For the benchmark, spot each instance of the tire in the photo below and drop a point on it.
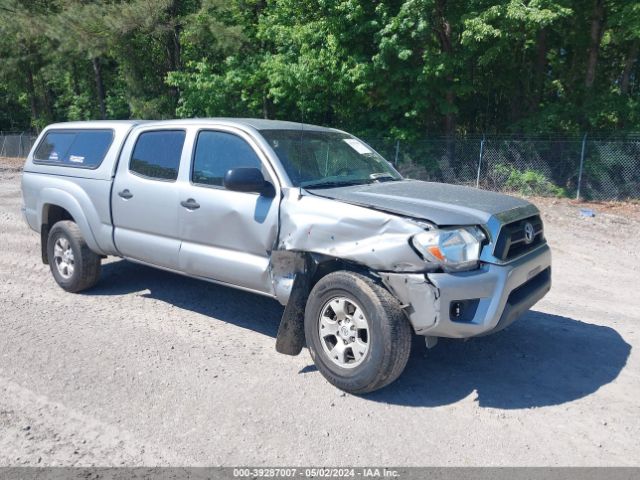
(387, 338)
(77, 271)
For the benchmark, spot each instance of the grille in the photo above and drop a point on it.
(512, 242)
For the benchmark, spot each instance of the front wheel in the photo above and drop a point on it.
(73, 265)
(356, 332)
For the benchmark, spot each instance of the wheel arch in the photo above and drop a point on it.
(51, 214)
(323, 265)
(57, 205)
(313, 268)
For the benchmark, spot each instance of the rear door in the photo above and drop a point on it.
(145, 197)
(228, 236)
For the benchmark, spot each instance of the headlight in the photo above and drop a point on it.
(453, 249)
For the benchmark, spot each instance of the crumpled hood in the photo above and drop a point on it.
(440, 203)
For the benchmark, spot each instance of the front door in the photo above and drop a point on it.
(227, 236)
(145, 199)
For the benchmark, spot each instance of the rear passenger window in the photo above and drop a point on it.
(157, 154)
(74, 148)
(218, 152)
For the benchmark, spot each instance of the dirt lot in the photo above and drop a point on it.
(152, 368)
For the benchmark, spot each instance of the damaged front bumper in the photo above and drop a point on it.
(468, 304)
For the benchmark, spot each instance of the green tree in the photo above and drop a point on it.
(397, 68)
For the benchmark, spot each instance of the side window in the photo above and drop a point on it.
(157, 154)
(74, 148)
(218, 152)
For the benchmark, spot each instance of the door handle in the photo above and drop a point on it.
(190, 204)
(126, 194)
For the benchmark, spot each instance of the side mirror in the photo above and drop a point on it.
(245, 179)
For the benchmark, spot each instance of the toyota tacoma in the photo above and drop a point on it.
(361, 258)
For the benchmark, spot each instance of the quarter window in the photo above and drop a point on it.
(217, 153)
(74, 148)
(157, 154)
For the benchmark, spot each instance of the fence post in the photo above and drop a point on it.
(584, 144)
(480, 162)
(395, 161)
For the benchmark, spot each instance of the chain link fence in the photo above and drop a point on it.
(16, 145)
(592, 169)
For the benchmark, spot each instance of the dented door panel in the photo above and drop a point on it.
(228, 238)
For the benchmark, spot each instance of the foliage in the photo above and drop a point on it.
(525, 182)
(394, 68)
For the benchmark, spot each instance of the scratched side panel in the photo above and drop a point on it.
(373, 238)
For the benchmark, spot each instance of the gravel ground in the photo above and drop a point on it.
(150, 368)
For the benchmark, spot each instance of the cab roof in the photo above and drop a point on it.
(256, 123)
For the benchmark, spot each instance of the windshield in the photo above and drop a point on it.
(316, 159)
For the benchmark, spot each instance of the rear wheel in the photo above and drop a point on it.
(356, 332)
(73, 265)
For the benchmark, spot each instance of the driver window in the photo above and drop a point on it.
(218, 152)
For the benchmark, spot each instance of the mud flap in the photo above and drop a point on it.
(290, 338)
(44, 238)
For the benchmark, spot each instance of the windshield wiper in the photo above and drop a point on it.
(374, 177)
(333, 183)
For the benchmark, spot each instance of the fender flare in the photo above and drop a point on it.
(63, 199)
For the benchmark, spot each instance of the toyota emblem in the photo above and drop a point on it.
(528, 233)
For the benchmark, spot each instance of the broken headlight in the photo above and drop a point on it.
(452, 249)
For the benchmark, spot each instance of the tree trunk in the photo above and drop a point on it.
(265, 105)
(97, 73)
(173, 47)
(31, 92)
(173, 38)
(450, 117)
(597, 29)
(443, 31)
(630, 61)
(47, 100)
(540, 69)
(74, 79)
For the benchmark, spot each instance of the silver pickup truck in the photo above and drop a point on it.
(361, 257)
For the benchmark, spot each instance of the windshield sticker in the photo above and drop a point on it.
(53, 157)
(76, 159)
(358, 146)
